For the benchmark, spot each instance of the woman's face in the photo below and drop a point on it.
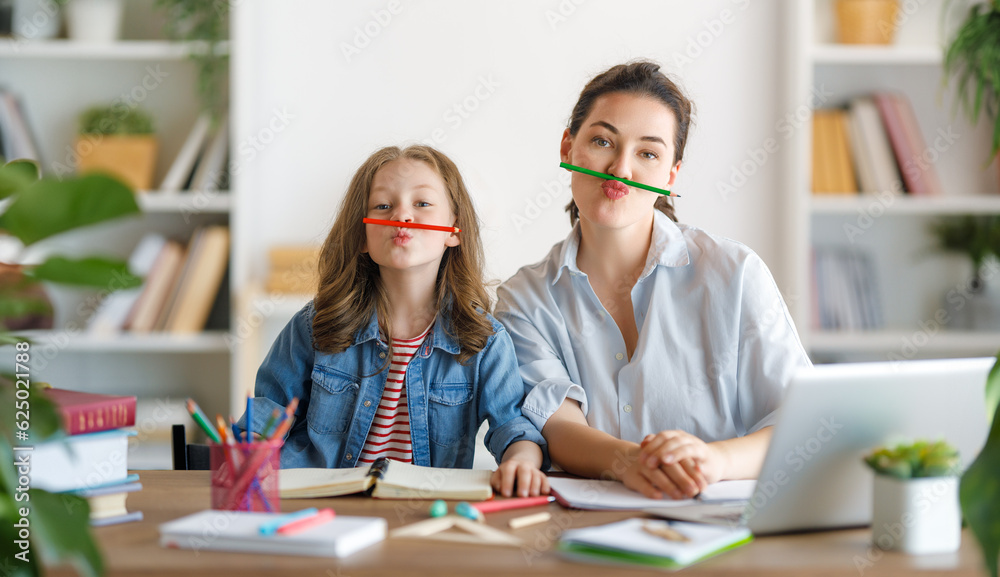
(628, 136)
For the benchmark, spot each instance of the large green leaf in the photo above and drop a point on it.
(9, 515)
(979, 492)
(92, 271)
(60, 526)
(44, 417)
(993, 390)
(17, 175)
(50, 207)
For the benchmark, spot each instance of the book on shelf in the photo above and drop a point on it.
(92, 412)
(156, 288)
(108, 503)
(212, 164)
(869, 128)
(833, 171)
(847, 296)
(923, 173)
(387, 479)
(16, 138)
(80, 461)
(111, 315)
(200, 282)
(653, 543)
(183, 270)
(180, 171)
(240, 531)
(293, 269)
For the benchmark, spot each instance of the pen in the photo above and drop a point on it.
(273, 525)
(662, 191)
(266, 431)
(519, 503)
(299, 525)
(411, 225)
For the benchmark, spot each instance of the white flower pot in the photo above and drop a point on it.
(35, 19)
(918, 516)
(98, 21)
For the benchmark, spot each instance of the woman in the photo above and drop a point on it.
(652, 352)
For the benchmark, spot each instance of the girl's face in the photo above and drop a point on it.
(628, 136)
(408, 190)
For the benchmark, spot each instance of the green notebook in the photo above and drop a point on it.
(639, 542)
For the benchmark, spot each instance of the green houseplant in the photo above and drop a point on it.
(978, 239)
(56, 526)
(118, 140)
(979, 492)
(207, 25)
(915, 506)
(972, 59)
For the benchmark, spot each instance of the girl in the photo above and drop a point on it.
(396, 356)
(655, 353)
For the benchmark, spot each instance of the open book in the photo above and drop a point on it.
(386, 479)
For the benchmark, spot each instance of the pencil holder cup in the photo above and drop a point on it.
(245, 476)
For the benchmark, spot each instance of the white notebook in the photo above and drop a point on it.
(240, 531)
(596, 495)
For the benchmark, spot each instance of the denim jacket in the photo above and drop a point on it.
(339, 394)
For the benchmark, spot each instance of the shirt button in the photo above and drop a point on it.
(619, 356)
(368, 403)
(381, 355)
(627, 408)
(348, 457)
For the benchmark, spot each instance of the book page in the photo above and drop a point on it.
(305, 483)
(595, 494)
(403, 480)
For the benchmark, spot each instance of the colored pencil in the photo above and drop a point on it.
(518, 503)
(299, 525)
(411, 225)
(662, 191)
(273, 525)
(201, 418)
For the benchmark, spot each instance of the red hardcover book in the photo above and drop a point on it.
(91, 412)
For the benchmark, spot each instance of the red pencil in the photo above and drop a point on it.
(411, 225)
(300, 525)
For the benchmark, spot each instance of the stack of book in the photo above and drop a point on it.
(181, 284)
(92, 459)
(874, 145)
(845, 291)
(202, 163)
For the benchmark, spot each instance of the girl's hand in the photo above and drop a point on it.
(686, 462)
(530, 481)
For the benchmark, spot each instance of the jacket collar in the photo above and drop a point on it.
(439, 338)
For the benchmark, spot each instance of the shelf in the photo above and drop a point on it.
(943, 342)
(207, 342)
(926, 55)
(874, 204)
(191, 202)
(122, 50)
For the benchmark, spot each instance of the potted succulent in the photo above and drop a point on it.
(118, 140)
(40, 526)
(915, 505)
(979, 491)
(972, 59)
(978, 238)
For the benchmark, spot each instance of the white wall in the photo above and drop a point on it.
(334, 93)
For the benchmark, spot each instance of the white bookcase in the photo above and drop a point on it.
(57, 79)
(912, 282)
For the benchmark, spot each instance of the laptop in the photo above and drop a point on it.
(813, 476)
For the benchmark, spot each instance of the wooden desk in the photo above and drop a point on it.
(133, 548)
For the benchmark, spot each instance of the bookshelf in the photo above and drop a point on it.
(55, 80)
(912, 282)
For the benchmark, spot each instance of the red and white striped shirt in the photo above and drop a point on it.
(390, 433)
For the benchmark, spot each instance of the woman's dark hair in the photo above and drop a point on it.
(642, 78)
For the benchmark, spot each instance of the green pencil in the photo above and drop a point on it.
(202, 419)
(662, 191)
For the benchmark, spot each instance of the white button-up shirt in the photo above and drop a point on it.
(716, 344)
